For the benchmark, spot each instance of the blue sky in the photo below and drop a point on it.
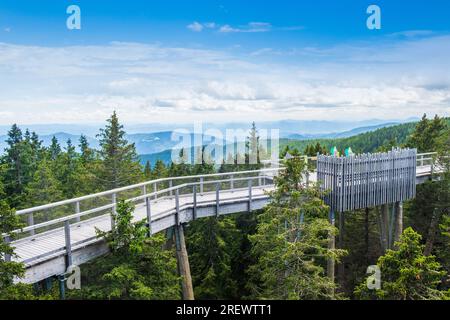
(197, 60)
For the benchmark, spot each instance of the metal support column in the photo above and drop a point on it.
(217, 199)
(250, 195)
(149, 215)
(332, 246)
(398, 220)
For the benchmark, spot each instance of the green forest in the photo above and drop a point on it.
(281, 252)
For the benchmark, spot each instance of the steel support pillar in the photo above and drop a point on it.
(331, 245)
(398, 220)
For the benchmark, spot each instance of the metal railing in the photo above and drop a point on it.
(203, 184)
(74, 210)
(424, 159)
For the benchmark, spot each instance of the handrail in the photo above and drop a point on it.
(134, 199)
(134, 186)
(142, 184)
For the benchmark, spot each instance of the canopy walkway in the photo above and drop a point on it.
(63, 233)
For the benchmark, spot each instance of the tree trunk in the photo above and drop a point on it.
(183, 264)
(432, 230)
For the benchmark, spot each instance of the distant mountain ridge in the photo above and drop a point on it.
(344, 134)
(159, 142)
(145, 142)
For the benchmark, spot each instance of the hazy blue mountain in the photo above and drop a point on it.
(344, 134)
(62, 139)
(286, 127)
(145, 142)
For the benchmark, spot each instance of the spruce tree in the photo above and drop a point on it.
(120, 166)
(213, 245)
(291, 242)
(406, 273)
(9, 269)
(18, 159)
(87, 154)
(44, 187)
(55, 149)
(148, 171)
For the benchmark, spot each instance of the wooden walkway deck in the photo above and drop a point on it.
(36, 251)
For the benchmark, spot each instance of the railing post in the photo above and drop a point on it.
(77, 210)
(217, 198)
(31, 222)
(7, 255)
(113, 210)
(155, 189)
(68, 243)
(232, 182)
(259, 179)
(170, 186)
(149, 215)
(250, 195)
(201, 184)
(194, 193)
(177, 207)
(307, 178)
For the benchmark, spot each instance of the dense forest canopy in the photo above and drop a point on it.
(280, 252)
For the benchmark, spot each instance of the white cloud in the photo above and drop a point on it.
(152, 83)
(195, 26)
(250, 27)
(412, 33)
(7, 29)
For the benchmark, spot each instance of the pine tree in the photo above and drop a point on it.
(54, 149)
(120, 165)
(213, 244)
(9, 221)
(18, 159)
(160, 170)
(148, 171)
(427, 134)
(44, 187)
(87, 154)
(181, 167)
(69, 172)
(253, 147)
(406, 273)
(291, 242)
(432, 200)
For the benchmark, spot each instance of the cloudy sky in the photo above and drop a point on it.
(171, 61)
